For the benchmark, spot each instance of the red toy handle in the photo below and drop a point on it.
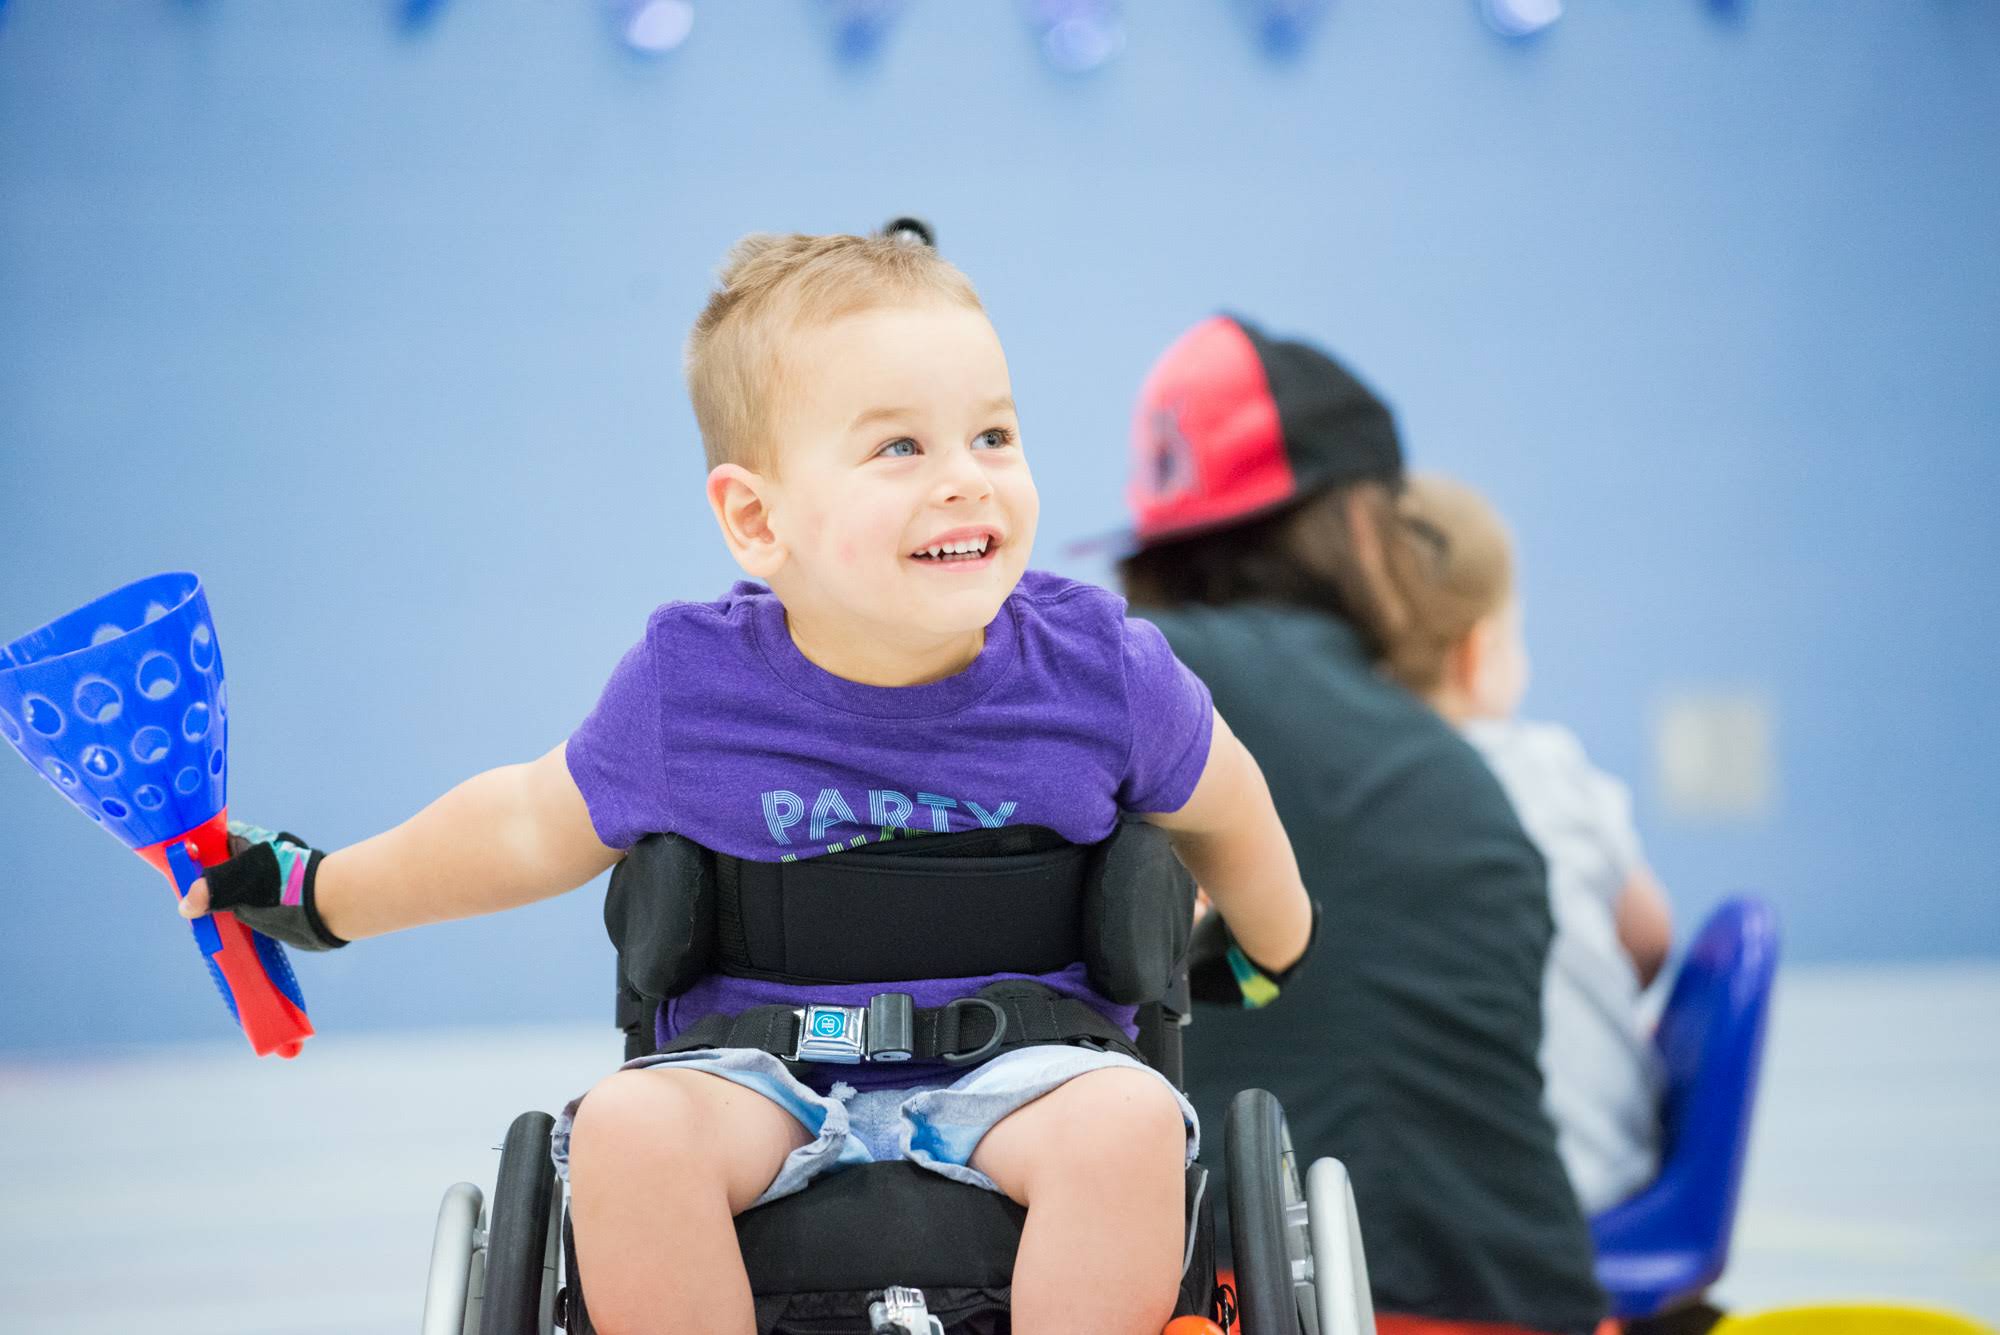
(268, 1007)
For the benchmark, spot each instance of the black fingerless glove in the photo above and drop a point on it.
(1220, 974)
(268, 883)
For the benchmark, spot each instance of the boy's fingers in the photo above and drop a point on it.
(195, 902)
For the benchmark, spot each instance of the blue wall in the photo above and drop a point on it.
(380, 333)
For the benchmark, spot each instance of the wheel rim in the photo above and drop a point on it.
(1298, 1234)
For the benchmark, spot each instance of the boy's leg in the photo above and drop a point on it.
(660, 1163)
(1100, 1164)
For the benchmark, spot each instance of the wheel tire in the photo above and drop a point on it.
(1256, 1149)
(517, 1238)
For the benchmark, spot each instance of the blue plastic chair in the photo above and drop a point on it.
(1667, 1244)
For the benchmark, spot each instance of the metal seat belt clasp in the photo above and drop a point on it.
(902, 1311)
(882, 1031)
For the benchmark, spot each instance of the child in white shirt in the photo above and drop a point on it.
(1461, 648)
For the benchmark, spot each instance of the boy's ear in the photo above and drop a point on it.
(1466, 662)
(738, 497)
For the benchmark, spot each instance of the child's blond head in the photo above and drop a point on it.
(1469, 576)
(772, 286)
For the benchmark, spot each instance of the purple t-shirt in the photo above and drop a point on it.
(715, 727)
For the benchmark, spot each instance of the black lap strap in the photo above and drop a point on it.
(999, 1018)
(775, 1029)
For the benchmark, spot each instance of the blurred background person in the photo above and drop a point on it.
(1272, 556)
(1462, 649)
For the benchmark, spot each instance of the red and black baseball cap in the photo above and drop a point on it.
(1231, 425)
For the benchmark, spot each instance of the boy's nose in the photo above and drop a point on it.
(962, 478)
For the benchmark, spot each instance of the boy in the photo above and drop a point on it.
(1462, 650)
(899, 670)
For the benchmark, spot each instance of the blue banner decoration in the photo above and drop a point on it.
(1282, 26)
(416, 15)
(859, 26)
(1077, 36)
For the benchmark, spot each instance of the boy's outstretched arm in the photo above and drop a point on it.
(1230, 837)
(501, 839)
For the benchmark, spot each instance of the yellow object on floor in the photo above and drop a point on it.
(1851, 1321)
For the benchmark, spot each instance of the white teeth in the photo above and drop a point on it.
(963, 547)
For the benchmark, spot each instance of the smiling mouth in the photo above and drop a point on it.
(969, 549)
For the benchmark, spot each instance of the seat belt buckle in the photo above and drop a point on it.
(882, 1031)
(833, 1034)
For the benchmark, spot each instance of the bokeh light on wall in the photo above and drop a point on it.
(1074, 36)
(1521, 18)
(1077, 36)
(653, 27)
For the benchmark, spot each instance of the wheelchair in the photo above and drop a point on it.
(889, 1248)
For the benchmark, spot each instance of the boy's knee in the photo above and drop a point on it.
(630, 1111)
(1122, 1117)
(637, 1130)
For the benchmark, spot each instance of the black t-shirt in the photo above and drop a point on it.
(1406, 1047)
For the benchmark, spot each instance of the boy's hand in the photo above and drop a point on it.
(1220, 974)
(268, 883)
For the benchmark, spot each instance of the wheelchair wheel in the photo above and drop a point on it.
(451, 1297)
(1300, 1267)
(1339, 1265)
(520, 1238)
(1269, 1229)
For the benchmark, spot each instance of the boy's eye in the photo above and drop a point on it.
(897, 449)
(999, 438)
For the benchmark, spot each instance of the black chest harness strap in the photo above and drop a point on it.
(1002, 1016)
(1016, 900)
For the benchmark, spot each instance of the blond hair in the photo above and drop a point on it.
(773, 285)
(1469, 576)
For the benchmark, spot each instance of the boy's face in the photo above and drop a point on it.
(897, 436)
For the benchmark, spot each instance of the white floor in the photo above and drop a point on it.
(195, 1190)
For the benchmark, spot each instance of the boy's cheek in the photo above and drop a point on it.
(806, 530)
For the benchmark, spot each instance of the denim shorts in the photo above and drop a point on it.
(935, 1124)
